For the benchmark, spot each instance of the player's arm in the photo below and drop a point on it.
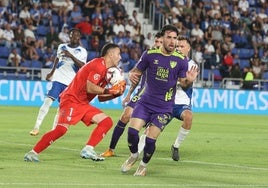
(128, 96)
(76, 61)
(50, 74)
(134, 77)
(190, 77)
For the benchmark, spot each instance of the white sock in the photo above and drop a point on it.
(34, 152)
(134, 155)
(43, 112)
(141, 143)
(143, 163)
(55, 120)
(89, 147)
(181, 136)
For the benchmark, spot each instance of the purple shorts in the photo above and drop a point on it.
(158, 118)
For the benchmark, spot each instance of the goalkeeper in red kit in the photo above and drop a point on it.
(75, 104)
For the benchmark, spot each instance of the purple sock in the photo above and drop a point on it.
(133, 140)
(149, 149)
(117, 132)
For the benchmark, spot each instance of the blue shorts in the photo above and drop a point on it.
(159, 118)
(55, 90)
(178, 109)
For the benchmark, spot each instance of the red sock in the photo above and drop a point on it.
(48, 138)
(100, 131)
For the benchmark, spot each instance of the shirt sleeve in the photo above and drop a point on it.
(97, 72)
(143, 62)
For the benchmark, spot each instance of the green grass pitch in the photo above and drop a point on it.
(221, 150)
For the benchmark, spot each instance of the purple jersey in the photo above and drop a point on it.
(162, 75)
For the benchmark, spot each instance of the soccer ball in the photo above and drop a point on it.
(114, 75)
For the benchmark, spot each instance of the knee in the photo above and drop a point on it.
(125, 117)
(187, 120)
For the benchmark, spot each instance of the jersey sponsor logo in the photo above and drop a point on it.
(162, 73)
(96, 77)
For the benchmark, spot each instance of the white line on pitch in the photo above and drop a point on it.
(130, 185)
(182, 161)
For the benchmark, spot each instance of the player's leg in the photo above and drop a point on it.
(104, 124)
(136, 125)
(41, 115)
(52, 94)
(118, 131)
(70, 117)
(55, 122)
(187, 117)
(142, 141)
(155, 127)
(151, 136)
(46, 140)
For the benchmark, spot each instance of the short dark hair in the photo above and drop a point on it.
(169, 28)
(107, 47)
(74, 29)
(158, 35)
(181, 37)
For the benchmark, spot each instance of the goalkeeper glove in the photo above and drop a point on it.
(117, 89)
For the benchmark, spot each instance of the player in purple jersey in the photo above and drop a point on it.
(164, 66)
(125, 116)
(182, 108)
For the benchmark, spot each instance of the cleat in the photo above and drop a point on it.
(34, 132)
(128, 164)
(88, 153)
(31, 157)
(108, 153)
(141, 171)
(175, 153)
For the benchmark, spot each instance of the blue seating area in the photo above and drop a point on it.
(4, 52)
(245, 53)
(3, 62)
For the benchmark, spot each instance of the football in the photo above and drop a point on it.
(114, 75)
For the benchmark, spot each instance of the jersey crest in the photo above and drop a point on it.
(96, 76)
(173, 64)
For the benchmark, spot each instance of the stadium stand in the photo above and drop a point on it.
(244, 33)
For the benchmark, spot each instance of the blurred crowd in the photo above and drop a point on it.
(230, 35)
(219, 30)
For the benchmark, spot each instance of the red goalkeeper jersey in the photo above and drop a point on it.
(95, 72)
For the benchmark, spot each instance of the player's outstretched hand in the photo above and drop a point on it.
(192, 73)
